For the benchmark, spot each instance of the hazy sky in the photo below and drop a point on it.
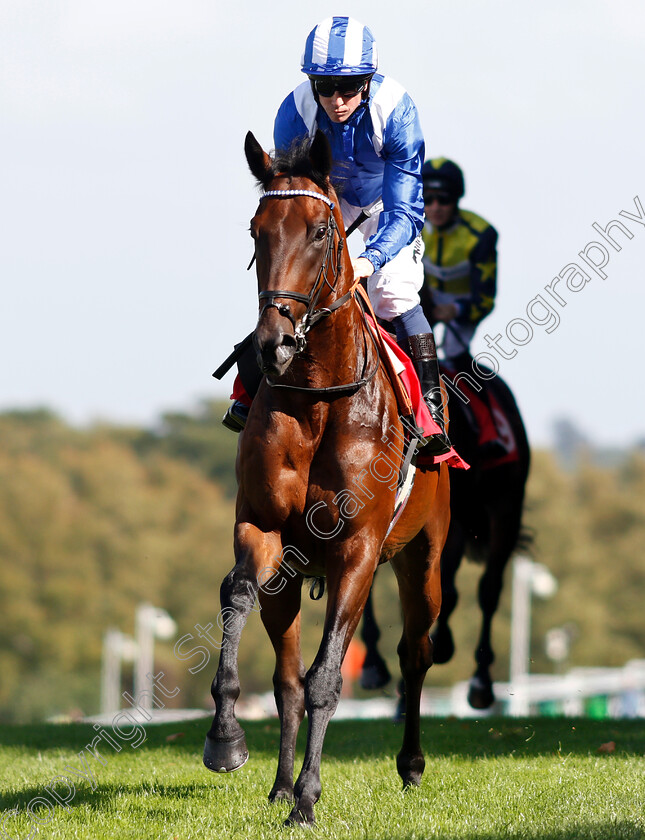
(125, 198)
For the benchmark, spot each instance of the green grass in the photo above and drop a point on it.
(494, 778)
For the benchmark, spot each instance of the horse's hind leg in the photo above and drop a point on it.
(374, 673)
(444, 646)
(419, 578)
(281, 618)
(504, 532)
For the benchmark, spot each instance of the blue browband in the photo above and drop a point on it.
(310, 193)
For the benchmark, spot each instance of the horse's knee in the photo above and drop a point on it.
(240, 588)
(322, 687)
(289, 692)
(415, 659)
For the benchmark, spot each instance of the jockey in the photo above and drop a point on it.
(460, 262)
(377, 146)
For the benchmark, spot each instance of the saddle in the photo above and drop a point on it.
(487, 418)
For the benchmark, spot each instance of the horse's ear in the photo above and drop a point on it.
(320, 154)
(258, 160)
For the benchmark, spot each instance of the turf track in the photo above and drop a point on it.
(494, 778)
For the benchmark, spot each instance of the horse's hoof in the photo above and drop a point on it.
(414, 781)
(281, 794)
(304, 817)
(480, 694)
(410, 770)
(375, 676)
(225, 756)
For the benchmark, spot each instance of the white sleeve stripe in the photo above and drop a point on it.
(386, 99)
(306, 106)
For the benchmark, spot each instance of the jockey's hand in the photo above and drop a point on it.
(444, 312)
(362, 268)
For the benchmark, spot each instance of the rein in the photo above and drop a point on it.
(312, 316)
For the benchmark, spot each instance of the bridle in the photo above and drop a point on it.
(313, 315)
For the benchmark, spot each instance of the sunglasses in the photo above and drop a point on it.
(443, 198)
(345, 87)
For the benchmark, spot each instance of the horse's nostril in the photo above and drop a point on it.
(288, 340)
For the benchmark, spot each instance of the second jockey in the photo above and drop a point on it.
(460, 265)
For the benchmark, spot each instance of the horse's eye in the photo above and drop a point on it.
(320, 233)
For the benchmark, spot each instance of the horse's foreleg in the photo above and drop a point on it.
(281, 618)
(347, 593)
(225, 748)
(418, 574)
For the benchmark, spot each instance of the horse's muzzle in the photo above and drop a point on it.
(274, 345)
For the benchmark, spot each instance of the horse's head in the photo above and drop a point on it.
(298, 247)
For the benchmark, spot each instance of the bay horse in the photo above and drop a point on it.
(486, 505)
(310, 502)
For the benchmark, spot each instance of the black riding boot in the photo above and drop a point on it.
(237, 413)
(424, 356)
(236, 416)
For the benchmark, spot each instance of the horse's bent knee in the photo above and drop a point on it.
(415, 659)
(322, 688)
(239, 587)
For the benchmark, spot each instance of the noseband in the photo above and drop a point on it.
(312, 315)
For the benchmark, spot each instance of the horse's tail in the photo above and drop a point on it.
(525, 541)
(478, 540)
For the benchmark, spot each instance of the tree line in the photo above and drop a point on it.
(94, 521)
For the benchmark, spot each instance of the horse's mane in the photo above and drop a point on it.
(295, 162)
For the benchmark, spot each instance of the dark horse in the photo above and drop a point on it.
(486, 504)
(311, 501)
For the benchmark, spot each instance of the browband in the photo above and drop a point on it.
(309, 193)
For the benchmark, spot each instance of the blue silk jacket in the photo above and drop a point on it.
(377, 153)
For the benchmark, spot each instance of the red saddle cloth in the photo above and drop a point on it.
(490, 427)
(410, 382)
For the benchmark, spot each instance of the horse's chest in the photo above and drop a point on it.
(287, 482)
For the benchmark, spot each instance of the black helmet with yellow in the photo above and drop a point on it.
(443, 175)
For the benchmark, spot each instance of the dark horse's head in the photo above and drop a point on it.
(297, 247)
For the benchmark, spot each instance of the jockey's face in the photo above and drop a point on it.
(340, 107)
(439, 209)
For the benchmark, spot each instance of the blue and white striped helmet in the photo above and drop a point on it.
(339, 46)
